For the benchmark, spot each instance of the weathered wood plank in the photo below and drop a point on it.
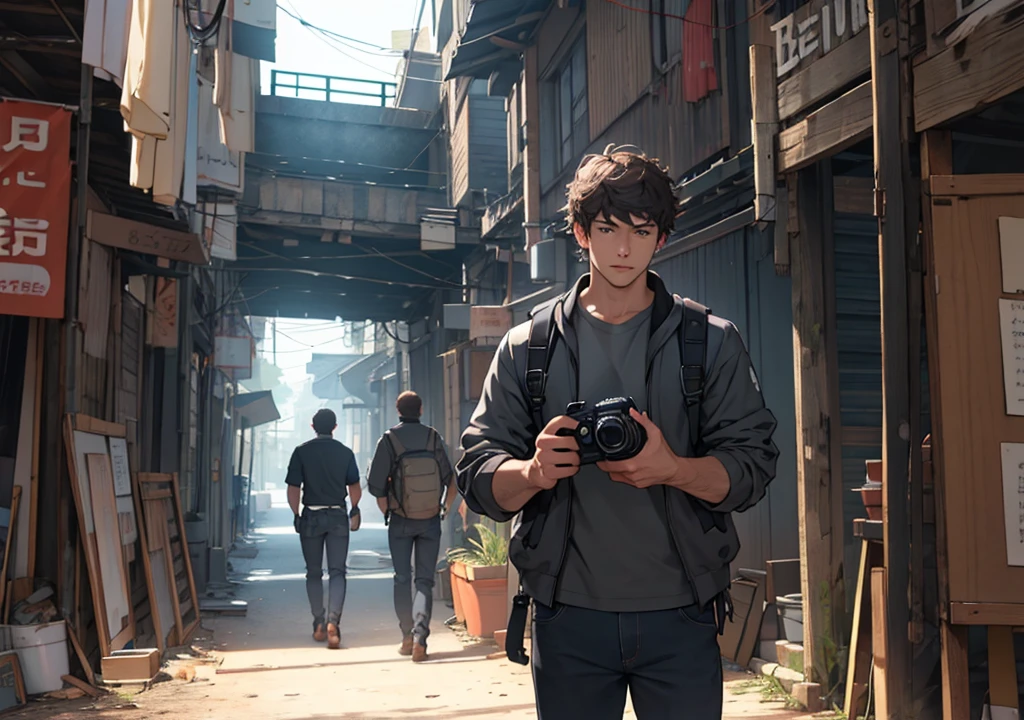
(843, 122)
(764, 126)
(854, 195)
(313, 197)
(820, 573)
(892, 105)
(288, 194)
(828, 75)
(970, 75)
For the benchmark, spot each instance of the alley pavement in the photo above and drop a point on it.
(266, 664)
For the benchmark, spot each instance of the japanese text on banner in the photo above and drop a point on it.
(35, 191)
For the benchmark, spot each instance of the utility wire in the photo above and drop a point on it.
(199, 33)
(687, 21)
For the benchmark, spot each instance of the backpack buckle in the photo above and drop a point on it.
(535, 383)
(691, 377)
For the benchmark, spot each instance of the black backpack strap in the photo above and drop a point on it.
(693, 345)
(693, 342)
(538, 358)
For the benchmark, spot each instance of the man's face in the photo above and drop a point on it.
(620, 252)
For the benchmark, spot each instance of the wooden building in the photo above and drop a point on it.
(851, 171)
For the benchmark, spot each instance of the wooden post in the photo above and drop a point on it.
(937, 159)
(531, 154)
(891, 101)
(821, 564)
(764, 126)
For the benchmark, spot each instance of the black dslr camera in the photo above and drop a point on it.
(606, 431)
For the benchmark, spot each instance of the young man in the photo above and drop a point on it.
(323, 472)
(627, 562)
(414, 484)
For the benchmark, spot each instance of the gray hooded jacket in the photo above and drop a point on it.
(736, 428)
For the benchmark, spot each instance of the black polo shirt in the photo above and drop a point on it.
(323, 468)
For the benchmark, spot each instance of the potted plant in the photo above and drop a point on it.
(480, 581)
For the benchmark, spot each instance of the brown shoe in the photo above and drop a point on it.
(419, 653)
(320, 633)
(406, 648)
(333, 636)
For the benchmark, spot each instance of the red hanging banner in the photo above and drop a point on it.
(35, 197)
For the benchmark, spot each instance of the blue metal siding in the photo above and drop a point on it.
(859, 339)
(736, 277)
(488, 145)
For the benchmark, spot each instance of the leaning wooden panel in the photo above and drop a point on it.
(966, 355)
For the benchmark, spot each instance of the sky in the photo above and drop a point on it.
(301, 49)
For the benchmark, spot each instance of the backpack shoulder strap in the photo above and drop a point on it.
(538, 357)
(396, 445)
(693, 342)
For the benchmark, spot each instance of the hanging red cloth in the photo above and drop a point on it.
(699, 77)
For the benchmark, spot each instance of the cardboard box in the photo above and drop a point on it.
(125, 666)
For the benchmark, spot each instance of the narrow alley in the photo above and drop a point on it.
(266, 665)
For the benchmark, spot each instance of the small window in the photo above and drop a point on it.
(573, 118)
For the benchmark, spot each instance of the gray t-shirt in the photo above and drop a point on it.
(621, 557)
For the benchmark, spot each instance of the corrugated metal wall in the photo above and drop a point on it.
(488, 145)
(460, 154)
(858, 334)
(618, 61)
(736, 277)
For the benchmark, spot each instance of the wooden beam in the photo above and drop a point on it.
(965, 77)
(826, 76)
(961, 613)
(889, 75)
(764, 126)
(956, 690)
(713, 178)
(1002, 667)
(531, 153)
(821, 568)
(881, 645)
(843, 122)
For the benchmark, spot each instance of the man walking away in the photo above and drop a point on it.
(324, 472)
(414, 484)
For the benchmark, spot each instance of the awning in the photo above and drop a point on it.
(356, 377)
(497, 31)
(256, 408)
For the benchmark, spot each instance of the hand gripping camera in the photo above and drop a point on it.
(606, 431)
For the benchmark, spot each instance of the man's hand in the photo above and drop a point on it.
(297, 523)
(655, 465)
(355, 519)
(556, 457)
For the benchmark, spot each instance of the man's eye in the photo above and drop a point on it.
(643, 233)
(605, 230)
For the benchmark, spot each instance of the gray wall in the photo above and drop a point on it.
(735, 276)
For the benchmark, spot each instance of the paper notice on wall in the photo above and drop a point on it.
(1013, 501)
(1011, 333)
(1011, 248)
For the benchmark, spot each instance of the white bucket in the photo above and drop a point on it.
(43, 654)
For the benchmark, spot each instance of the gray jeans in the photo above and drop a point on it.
(414, 588)
(322, 529)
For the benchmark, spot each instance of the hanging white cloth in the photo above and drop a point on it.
(147, 94)
(105, 37)
(170, 151)
(235, 92)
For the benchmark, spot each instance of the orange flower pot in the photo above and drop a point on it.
(485, 603)
(458, 575)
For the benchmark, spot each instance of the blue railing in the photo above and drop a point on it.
(310, 86)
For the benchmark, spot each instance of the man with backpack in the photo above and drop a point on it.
(414, 484)
(624, 425)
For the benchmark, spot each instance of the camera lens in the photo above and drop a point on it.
(611, 434)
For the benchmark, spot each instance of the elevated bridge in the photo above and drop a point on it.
(343, 212)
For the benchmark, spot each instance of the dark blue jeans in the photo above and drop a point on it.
(414, 586)
(584, 660)
(325, 529)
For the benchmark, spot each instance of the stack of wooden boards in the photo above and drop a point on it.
(119, 510)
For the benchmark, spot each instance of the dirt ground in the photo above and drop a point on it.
(265, 665)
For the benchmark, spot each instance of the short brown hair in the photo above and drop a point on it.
(619, 183)
(409, 405)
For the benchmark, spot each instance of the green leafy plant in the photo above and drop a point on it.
(490, 550)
